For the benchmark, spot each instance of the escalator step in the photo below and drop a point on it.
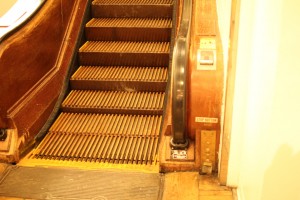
(130, 22)
(125, 47)
(129, 29)
(114, 101)
(121, 73)
(125, 53)
(132, 8)
(133, 2)
(102, 138)
(120, 78)
(107, 124)
(113, 113)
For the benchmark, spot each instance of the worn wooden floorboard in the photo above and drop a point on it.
(192, 186)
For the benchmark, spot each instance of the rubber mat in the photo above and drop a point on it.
(52, 183)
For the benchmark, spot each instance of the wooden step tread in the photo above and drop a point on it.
(107, 124)
(121, 73)
(132, 2)
(125, 47)
(130, 22)
(102, 138)
(114, 100)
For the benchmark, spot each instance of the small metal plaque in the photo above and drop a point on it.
(206, 54)
(206, 60)
(208, 150)
(206, 168)
(179, 154)
(211, 120)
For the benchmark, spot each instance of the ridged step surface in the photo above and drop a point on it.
(127, 47)
(120, 78)
(114, 101)
(102, 138)
(132, 2)
(121, 73)
(129, 29)
(132, 8)
(113, 113)
(125, 53)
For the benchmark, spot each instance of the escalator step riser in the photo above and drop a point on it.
(130, 59)
(113, 101)
(132, 9)
(128, 34)
(118, 85)
(125, 53)
(102, 138)
(129, 29)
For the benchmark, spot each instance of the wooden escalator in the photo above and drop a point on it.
(113, 113)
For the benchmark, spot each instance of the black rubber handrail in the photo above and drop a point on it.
(10, 29)
(179, 67)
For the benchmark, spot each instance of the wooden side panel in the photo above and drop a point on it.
(205, 85)
(33, 64)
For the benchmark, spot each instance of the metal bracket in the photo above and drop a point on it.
(179, 154)
(179, 145)
(206, 168)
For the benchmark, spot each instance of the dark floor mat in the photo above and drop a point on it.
(52, 183)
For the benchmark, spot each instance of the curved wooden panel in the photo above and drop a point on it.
(206, 82)
(33, 64)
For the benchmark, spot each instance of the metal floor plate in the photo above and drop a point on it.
(54, 183)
